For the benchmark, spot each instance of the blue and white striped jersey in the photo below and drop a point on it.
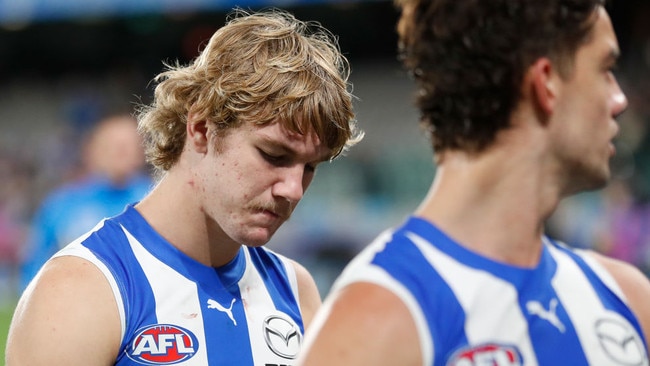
(175, 310)
(470, 310)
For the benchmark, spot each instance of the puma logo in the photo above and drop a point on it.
(550, 315)
(215, 305)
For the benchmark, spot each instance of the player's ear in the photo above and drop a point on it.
(541, 82)
(197, 133)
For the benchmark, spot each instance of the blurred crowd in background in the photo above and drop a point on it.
(60, 77)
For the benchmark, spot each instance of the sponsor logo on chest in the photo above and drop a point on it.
(491, 354)
(282, 335)
(162, 344)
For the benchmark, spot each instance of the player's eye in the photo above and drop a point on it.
(272, 158)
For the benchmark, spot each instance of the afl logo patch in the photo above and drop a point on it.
(487, 354)
(162, 344)
(282, 335)
(621, 342)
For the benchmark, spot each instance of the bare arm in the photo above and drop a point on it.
(363, 324)
(310, 299)
(635, 286)
(67, 316)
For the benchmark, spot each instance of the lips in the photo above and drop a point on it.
(612, 149)
(271, 213)
(275, 211)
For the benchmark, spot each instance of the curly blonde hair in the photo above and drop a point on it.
(259, 68)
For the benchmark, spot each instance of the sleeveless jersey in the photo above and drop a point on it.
(175, 310)
(470, 310)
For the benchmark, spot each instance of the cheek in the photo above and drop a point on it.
(243, 180)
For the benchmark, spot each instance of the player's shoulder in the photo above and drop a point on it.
(626, 275)
(64, 274)
(358, 322)
(67, 296)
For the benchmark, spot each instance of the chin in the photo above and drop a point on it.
(594, 182)
(258, 238)
(584, 179)
(255, 244)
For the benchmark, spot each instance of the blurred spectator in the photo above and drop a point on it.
(629, 226)
(113, 176)
(15, 175)
(614, 221)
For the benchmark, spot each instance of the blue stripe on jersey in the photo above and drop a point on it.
(277, 283)
(234, 338)
(408, 266)
(536, 285)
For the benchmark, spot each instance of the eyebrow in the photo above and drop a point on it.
(289, 150)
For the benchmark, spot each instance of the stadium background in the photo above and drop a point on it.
(65, 62)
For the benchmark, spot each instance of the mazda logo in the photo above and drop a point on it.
(282, 336)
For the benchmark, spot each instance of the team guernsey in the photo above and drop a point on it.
(470, 310)
(177, 311)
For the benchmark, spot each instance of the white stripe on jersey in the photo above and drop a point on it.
(604, 275)
(259, 306)
(291, 274)
(254, 300)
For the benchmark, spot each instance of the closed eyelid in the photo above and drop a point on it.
(279, 148)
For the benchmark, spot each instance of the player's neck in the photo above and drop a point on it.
(167, 206)
(494, 205)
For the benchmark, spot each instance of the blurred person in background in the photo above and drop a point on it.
(520, 101)
(16, 175)
(113, 175)
(183, 276)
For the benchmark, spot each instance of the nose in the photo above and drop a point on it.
(619, 101)
(290, 184)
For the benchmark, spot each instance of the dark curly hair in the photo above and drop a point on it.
(468, 58)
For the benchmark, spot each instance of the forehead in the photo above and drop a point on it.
(603, 38)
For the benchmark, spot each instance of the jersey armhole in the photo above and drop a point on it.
(77, 250)
(376, 275)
